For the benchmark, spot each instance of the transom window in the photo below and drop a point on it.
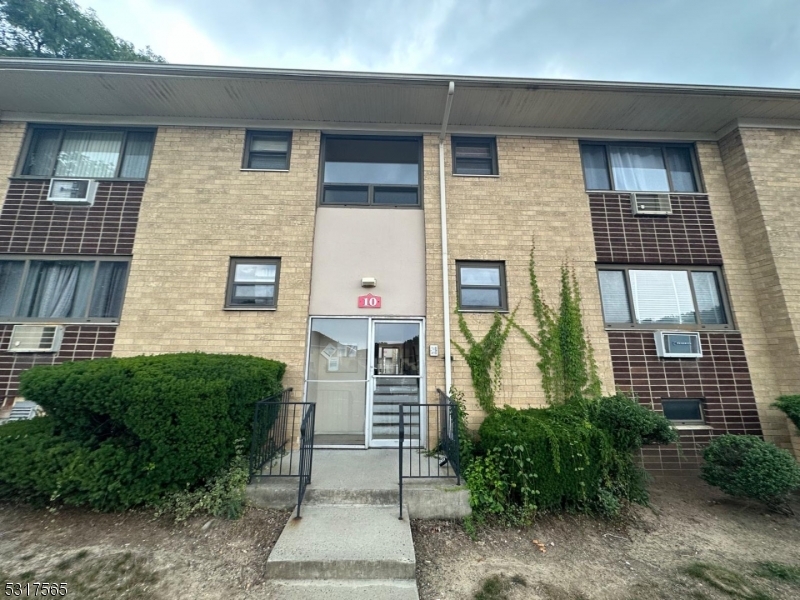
(640, 167)
(267, 150)
(90, 153)
(481, 286)
(683, 411)
(364, 171)
(64, 289)
(474, 156)
(253, 283)
(647, 297)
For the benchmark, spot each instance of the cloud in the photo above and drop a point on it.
(745, 42)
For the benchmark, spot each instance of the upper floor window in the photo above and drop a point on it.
(481, 285)
(364, 171)
(267, 150)
(64, 289)
(90, 153)
(474, 156)
(648, 296)
(640, 167)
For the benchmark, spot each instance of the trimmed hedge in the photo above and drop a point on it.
(791, 406)
(575, 456)
(125, 431)
(748, 467)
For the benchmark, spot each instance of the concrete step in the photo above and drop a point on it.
(344, 542)
(426, 499)
(349, 589)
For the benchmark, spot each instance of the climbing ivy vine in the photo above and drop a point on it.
(566, 357)
(484, 357)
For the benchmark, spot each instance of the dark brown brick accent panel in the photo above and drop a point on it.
(81, 342)
(686, 237)
(29, 224)
(721, 377)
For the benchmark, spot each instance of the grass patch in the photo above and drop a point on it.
(725, 580)
(779, 571)
(496, 587)
(122, 576)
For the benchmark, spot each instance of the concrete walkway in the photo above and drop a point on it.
(349, 543)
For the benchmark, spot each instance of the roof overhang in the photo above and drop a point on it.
(69, 91)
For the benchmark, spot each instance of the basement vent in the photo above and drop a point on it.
(24, 410)
(36, 338)
(650, 204)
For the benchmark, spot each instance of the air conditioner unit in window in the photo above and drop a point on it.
(24, 409)
(647, 203)
(678, 344)
(72, 192)
(36, 338)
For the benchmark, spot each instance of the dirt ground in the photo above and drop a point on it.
(133, 556)
(643, 556)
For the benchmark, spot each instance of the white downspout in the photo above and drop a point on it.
(448, 367)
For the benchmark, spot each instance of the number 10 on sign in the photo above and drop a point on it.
(369, 301)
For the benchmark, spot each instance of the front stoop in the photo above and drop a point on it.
(344, 551)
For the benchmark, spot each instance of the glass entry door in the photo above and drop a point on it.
(396, 378)
(337, 380)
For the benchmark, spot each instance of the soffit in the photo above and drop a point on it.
(160, 93)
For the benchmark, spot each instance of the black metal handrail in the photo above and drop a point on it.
(430, 431)
(282, 444)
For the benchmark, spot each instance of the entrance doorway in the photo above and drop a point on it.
(358, 371)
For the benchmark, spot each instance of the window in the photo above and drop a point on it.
(267, 151)
(481, 286)
(474, 156)
(370, 171)
(690, 298)
(90, 153)
(684, 411)
(70, 289)
(640, 167)
(253, 283)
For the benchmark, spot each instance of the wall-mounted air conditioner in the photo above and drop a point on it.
(72, 192)
(647, 203)
(678, 344)
(36, 338)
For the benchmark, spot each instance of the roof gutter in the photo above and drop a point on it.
(448, 366)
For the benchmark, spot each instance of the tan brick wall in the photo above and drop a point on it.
(199, 209)
(11, 137)
(539, 194)
(755, 288)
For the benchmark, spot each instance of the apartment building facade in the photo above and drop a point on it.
(337, 222)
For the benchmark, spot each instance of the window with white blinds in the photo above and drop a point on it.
(657, 297)
(89, 153)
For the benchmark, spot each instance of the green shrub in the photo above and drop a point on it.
(791, 406)
(126, 431)
(629, 424)
(222, 496)
(573, 456)
(746, 466)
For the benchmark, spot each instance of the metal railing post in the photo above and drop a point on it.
(402, 436)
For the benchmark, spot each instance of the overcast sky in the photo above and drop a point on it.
(726, 42)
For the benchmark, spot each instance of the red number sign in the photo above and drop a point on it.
(369, 301)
